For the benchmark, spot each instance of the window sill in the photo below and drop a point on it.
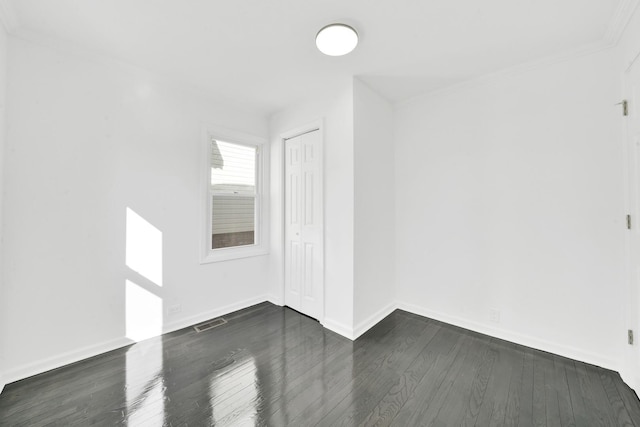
(227, 254)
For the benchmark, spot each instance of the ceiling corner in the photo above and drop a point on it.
(8, 16)
(619, 21)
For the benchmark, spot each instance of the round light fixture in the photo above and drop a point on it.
(336, 39)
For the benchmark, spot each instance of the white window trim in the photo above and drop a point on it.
(261, 235)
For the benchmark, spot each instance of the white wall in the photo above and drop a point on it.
(374, 215)
(87, 140)
(336, 111)
(3, 87)
(509, 196)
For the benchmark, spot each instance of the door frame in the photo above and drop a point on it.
(316, 125)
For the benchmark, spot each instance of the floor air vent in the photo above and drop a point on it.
(210, 324)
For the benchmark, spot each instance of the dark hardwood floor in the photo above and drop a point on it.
(272, 366)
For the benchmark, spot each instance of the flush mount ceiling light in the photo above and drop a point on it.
(336, 39)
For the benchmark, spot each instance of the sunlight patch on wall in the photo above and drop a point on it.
(144, 248)
(144, 313)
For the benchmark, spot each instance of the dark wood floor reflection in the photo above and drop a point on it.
(272, 366)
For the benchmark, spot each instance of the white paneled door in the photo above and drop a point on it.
(632, 119)
(304, 254)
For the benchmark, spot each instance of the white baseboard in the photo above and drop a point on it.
(35, 368)
(631, 380)
(338, 328)
(208, 315)
(63, 359)
(528, 341)
(373, 320)
(362, 327)
(276, 300)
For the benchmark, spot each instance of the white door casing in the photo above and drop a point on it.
(304, 252)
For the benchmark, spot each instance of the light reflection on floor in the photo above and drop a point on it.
(145, 384)
(234, 391)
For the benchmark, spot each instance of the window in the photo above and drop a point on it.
(233, 194)
(234, 220)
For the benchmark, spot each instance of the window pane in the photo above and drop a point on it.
(233, 168)
(233, 221)
(233, 189)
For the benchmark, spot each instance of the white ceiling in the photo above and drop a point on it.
(261, 53)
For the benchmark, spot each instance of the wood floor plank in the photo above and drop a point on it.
(629, 397)
(453, 393)
(615, 400)
(512, 413)
(539, 407)
(271, 366)
(526, 407)
(194, 385)
(458, 394)
(372, 384)
(368, 356)
(300, 381)
(552, 406)
(561, 384)
(493, 412)
(479, 387)
(582, 411)
(389, 406)
(293, 354)
(594, 395)
(446, 350)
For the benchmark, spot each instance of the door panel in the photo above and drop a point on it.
(308, 271)
(308, 199)
(295, 269)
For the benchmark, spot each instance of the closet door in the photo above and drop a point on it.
(304, 263)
